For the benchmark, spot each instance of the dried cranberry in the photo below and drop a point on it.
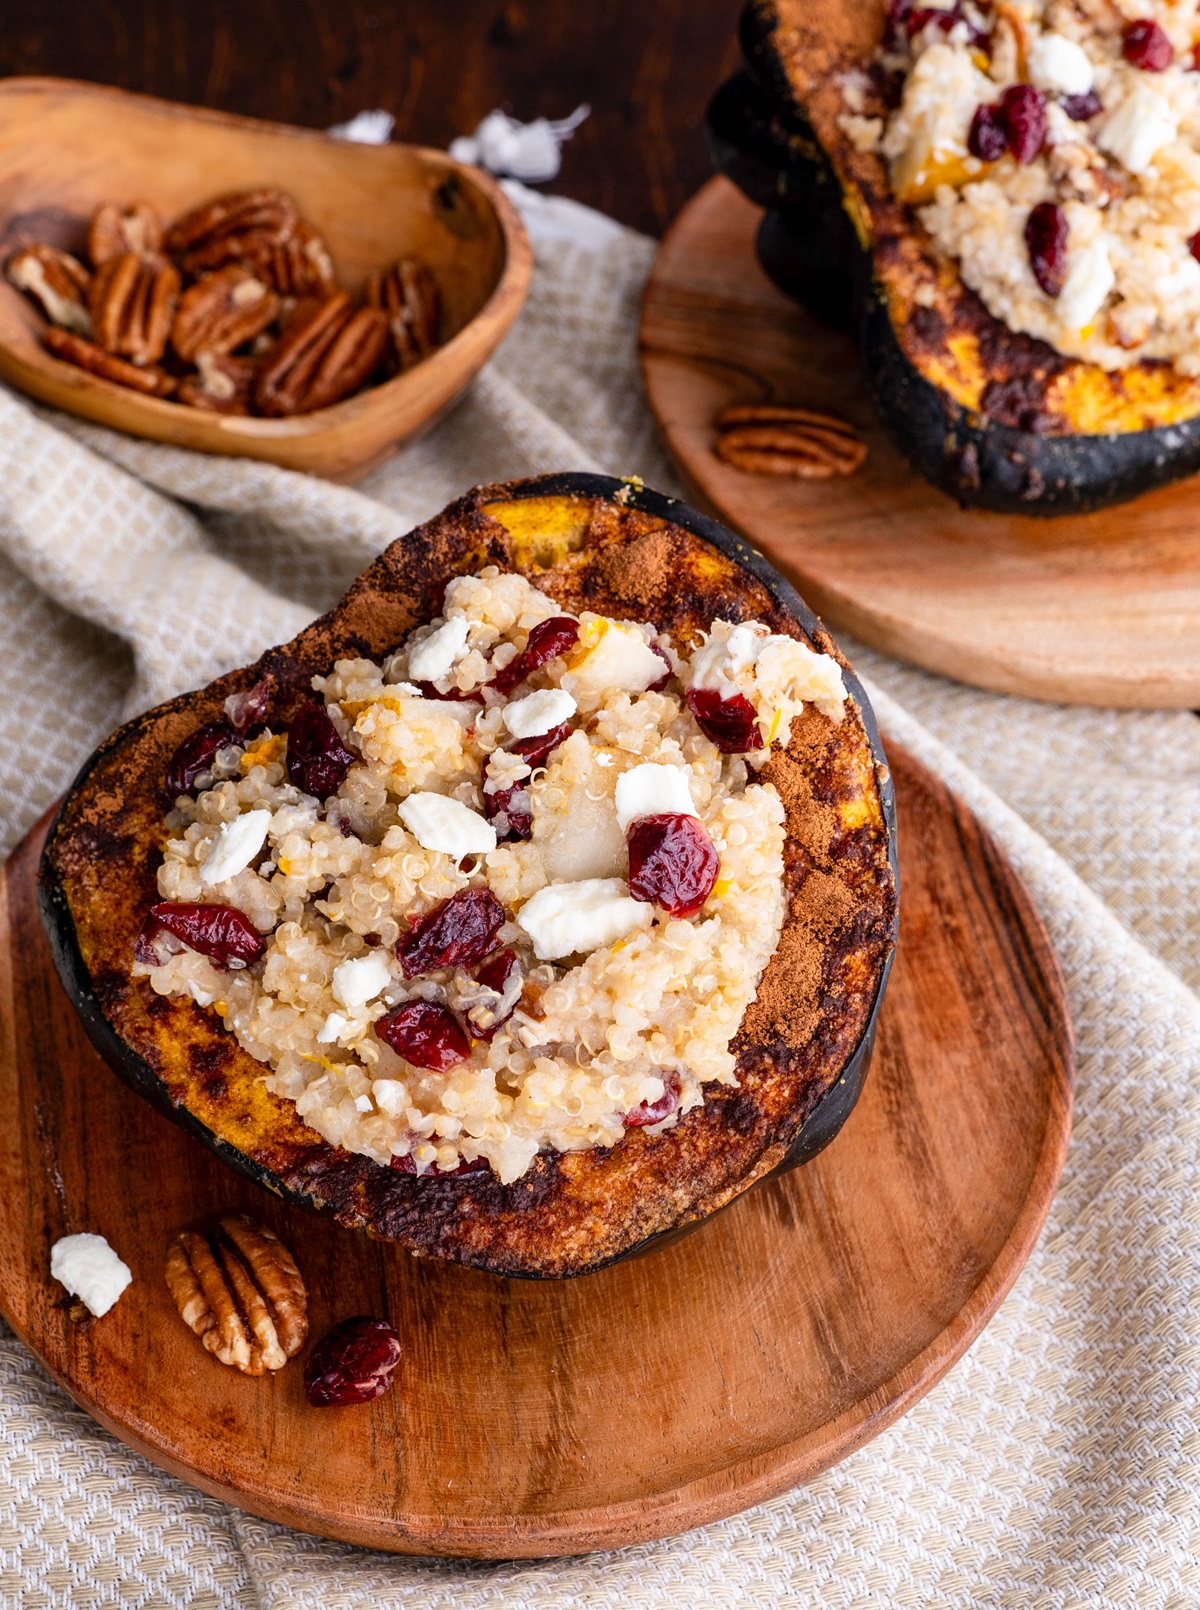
(1046, 233)
(918, 18)
(426, 1034)
(455, 695)
(246, 710)
(1145, 45)
(1081, 108)
(222, 933)
(196, 754)
(896, 14)
(535, 750)
(407, 1165)
(730, 723)
(317, 759)
(1194, 247)
(1023, 113)
(513, 804)
(653, 1112)
(988, 139)
(672, 862)
(458, 933)
(657, 687)
(496, 973)
(353, 1364)
(546, 641)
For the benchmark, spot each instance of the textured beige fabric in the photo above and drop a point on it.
(1057, 1464)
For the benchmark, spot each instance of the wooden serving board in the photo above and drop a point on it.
(550, 1418)
(1087, 609)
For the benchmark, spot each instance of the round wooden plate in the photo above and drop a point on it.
(1089, 609)
(543, 1418)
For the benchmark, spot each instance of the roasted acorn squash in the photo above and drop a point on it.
(591, 542)
(997, 419)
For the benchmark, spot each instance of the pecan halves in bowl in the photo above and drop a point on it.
(243, 226)
(72, 348)
(222, 384)
(115, 230)
(132, 302)
(407, 292)
(327, 350)
(58, 283)
(221, 311)
(240, 1291)
(300, 265)
(773, 439)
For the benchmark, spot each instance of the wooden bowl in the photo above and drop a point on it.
(66, 147)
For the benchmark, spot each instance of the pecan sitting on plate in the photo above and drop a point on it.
(115, 230)
(221, 311)
(240, 1291)
(244, 226)
(772, 439)
(83, 354)
(407, 292)
(132, 302)
(222, 383)
(327, 350)
(300, 265)
(57, 281)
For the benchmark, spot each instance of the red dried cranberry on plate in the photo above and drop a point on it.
(653, 1112)
(672, 862)
(353, 1364)
(515, 810)
(988, 138)
(496, 974)
(546, 641)
(1144, 44)
(730, 723)
(222, 933)
(458, 933)
(317, 759)
(1046, 235)
(426, 1034)
(1023, 113)
(246, 710)
(657, 687)
(196, 755)
(407, 1165)
(1082, 108)
(535, 751)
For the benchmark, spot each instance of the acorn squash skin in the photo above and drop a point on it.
(996, 419)
(569, 1214)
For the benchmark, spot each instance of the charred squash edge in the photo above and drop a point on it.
(815, 1131)
(930, 367)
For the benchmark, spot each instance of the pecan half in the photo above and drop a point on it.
(83, 354)
(221, 311)
(57, 281)
(407, 292)
(244, 226)
(771, 439)
(222, 384)
(300, 265)
(132, 302)
(327, 350)
(115, 230)
(240, 1291)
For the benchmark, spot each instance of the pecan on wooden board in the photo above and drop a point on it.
(115, 230)
(407, 292)
(132, 302)
(328, 349)
(65, 344)
(240, 1291)
(773, 439)
(58, 283)
(244, 226)
(221, 311)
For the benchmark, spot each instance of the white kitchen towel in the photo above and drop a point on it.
(1057, 1464)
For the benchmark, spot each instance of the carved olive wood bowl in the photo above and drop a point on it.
(67, 147)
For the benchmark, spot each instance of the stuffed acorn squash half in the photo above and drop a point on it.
(1009, 194)
(527, 908)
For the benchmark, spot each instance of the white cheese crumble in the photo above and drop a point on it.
(236, 845)
(568, 918)
(438, 822)
(652, 789)
(1138, 128)
(438, 654)
(361, 979)
(1090, 277)
(776, 673)
(1057, 64)
(334, 1027)
(90, 1270)
(539, 712)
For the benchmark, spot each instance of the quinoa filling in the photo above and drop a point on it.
(512, 889)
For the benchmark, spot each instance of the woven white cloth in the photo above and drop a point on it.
(1057, 1464)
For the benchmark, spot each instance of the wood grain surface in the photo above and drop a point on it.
(371, 205)
(646, 70)
(548, 1418)
(1088, 609)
